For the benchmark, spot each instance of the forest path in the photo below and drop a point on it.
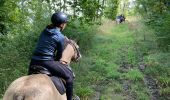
(117, 61)
(114, 67)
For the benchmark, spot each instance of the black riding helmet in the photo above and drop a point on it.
(58, 18)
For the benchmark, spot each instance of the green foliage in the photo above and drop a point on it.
(158, 65)
(82, 33)
(112, 72)
(112, 90)
(88, 11)
(156, 15)
(118, 88)
(165, 91)
(84, 92)
(134, 75)
(141, 91)
(90, 8)
(164, 81)
(111, 10)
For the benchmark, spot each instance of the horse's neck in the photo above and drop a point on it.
(67, 54)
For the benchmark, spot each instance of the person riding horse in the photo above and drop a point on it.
(40, 85)
(121, 18)
(49, 51)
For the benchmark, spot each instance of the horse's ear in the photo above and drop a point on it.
(78, 42)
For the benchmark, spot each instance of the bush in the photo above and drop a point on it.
(82, 33)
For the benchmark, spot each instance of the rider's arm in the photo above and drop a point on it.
(60, 47)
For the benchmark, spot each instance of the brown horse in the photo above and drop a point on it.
(40, 86)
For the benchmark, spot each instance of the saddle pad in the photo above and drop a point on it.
(58, 84)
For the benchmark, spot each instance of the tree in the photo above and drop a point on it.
(111, 9)
(157, 17)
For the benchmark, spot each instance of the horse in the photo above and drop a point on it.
(40, 86)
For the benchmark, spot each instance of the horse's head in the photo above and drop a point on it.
(77, 54)
(71, 51)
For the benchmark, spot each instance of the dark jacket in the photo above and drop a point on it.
(50, 41)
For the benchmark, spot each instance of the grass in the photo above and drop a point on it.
(84, 91)
(118, 88)
(134, 75)
(98, 69)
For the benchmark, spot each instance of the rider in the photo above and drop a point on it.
(51, 41)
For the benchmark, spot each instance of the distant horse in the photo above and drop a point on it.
(40, 86)
(119, 19)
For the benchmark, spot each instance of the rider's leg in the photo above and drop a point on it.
(59, 70)
(69, 91)
(64, 72)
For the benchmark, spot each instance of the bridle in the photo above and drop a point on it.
(76, 49)
(77, 54)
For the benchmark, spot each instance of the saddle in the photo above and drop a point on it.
(58, 82)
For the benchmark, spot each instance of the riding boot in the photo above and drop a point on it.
(69, 92)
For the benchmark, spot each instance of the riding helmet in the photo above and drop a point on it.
(58, 18)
